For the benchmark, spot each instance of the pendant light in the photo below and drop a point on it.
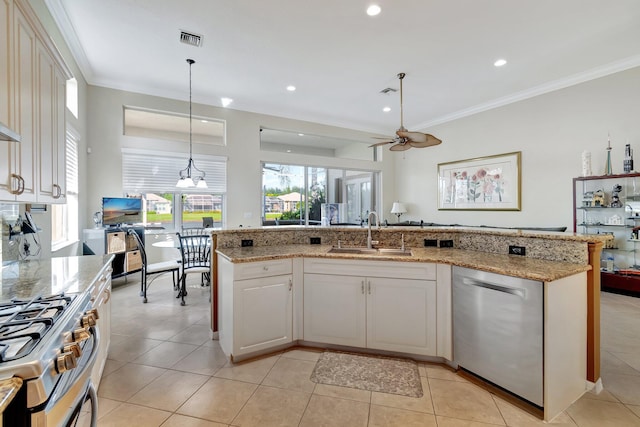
(186, 179)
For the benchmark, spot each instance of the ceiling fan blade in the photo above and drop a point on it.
(381, 143)
(429, 142)
(400, 147)
(381, 137)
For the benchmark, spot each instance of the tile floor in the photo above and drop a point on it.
(163, 370)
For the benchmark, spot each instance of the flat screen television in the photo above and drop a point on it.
(121, 210)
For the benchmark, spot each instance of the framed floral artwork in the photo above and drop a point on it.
(483, 183)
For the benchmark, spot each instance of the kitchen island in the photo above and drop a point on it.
(283, 273)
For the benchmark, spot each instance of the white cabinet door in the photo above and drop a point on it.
(334, 309)
(51, 143)
(262, 313)
(25, 166)
(6, 93)
(401, 315)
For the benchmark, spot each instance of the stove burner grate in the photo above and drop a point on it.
(23, 323)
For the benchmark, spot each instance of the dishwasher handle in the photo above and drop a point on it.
(494, 287)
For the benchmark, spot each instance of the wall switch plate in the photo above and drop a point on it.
(430, 243)
(246, 242)
(314, 240)
(517, 250)
(446, 243)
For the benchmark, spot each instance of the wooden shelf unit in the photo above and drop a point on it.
(125, 248)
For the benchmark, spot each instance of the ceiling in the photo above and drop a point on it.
(340, 59)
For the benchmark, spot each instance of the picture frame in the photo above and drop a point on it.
(482, 183)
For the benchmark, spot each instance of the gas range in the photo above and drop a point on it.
(43, 338)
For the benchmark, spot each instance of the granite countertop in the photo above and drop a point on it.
(507, 232)
(28, 279)
(511, 265)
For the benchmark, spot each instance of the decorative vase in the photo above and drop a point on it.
(586, 163)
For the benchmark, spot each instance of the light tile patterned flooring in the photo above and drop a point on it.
(163, 370)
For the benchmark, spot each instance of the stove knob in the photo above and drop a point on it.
(73, 348)
(94, 312)
(65, 362)
(87, 321)
(80, 334)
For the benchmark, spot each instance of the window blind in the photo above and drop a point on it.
(153, 172)
(71, 147)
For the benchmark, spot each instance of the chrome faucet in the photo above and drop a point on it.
(369, 241)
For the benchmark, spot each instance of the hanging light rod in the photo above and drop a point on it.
(187, 180)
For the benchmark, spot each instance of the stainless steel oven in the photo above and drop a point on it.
(51, 343)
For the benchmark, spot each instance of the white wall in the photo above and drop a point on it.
(551, 130)
(244, 174)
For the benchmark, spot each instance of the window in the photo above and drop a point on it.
(314, 195)
(172, 126)
(153, 176)
(64, 218)
(72, 96)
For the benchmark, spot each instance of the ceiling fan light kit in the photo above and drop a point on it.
(406, 139)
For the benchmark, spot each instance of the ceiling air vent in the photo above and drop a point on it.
(190, 38)
(388, 89)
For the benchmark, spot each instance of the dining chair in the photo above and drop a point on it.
(196, 258)
(171, 266)
(193, 231)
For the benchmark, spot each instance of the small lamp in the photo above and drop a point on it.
(398, 209)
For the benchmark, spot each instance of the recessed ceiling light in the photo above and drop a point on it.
(500, 62)
(226, 101)
(386, 109)
(288, 151)
(291, 88)
(204, 121)
(373, 10)
(301, 134)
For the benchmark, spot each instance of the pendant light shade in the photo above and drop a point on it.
(191, 176)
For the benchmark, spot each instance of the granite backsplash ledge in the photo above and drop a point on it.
(564, 247)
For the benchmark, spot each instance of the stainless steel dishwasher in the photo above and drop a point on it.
(498, 330)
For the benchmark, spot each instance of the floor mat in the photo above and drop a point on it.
(367, 372)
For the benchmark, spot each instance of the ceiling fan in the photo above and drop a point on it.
(405, 139)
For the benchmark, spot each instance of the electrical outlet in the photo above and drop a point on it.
(430, 242)
(314, 240)
(246, 242)
(517, 250)
(446, 243)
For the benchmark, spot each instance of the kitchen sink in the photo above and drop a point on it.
(367, 251)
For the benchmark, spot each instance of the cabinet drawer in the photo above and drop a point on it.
(251, 270)
(392, 269)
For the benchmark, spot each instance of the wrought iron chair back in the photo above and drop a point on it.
(196, 258)
(171, 266)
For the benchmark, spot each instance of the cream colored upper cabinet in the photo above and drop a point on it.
(33, 105)
(51, 108)
(6, 91)
(25, 166)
